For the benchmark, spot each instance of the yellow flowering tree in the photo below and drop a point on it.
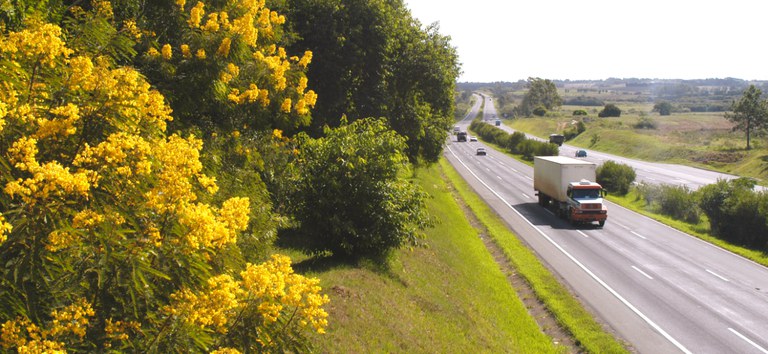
(222, 66)
(106, 233)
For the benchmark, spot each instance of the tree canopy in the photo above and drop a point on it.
(375, 60)
(542, 95)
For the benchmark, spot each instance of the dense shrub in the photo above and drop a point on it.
(736, 212)
(678, 202)
(615, 177)
(579, 112)
(351, 198)
(540, 111)
(610, 110)
(517, 142)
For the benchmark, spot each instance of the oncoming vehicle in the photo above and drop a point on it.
(581, 153)
(481, 151)
(472, 138)
(556, 139)
(566, 186)
(461, 136)
(456, 130)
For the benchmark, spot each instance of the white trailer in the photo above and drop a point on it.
(568, 185)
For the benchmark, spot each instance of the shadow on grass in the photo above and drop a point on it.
(327, 260)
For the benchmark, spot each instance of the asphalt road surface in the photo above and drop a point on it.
(661, 290)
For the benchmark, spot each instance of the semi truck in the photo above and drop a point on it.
(568, 187)
(461, 136)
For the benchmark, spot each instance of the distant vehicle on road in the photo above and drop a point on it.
(556, 139)
(461, 136)
(481, 151)
(581, 153)
(456, 130)
(498, 123)
(473, 138)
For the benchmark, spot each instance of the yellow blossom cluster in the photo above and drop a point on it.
(47, 180)
(272, 288)
(130, 27)
(26, 337)
(42, 43)
(213, 228)
(167, 51)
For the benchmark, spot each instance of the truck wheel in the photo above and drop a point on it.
(601, 223)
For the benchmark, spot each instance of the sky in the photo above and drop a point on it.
(512, 40)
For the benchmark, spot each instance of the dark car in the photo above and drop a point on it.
(481, 151)
(581, 153)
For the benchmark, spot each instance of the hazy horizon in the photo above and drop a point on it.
(601, 39)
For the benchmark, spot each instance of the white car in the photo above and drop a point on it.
(472, 138)
(481, 151)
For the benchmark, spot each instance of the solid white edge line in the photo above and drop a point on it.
(748, 340)
(717, 275)
(582, 266)
(641, 272)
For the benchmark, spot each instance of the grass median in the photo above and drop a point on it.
(568, 311)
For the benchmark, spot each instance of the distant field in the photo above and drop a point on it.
(703, 140)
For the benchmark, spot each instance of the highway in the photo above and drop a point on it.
(660, 290)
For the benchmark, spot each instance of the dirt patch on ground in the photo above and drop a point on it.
(547, 322)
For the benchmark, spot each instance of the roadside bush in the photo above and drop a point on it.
(514, 141)
(579, 112)
(678, 202)
(352, 200)
(736, 212)
(540, 111)
(615, 177)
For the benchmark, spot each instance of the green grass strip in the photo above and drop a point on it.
(568, 311)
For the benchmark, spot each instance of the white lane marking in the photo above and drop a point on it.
(514, 170)
(641, 272)
(499, 177)
(717, 275)
(638, 235)
(525, 195)
(488, 169)
(582, 266)
(528, 178)
(748, 340)
(622, 225)
(582, 234)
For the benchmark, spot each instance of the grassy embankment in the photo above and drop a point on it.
(448, 297)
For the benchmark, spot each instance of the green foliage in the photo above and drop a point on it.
(664, 108)
(352, 199)
(610, 110)
(539, 111)
(541, 94)
(750, 113)
(736, 212)
(615, 177)
(677, 202)
(374, 60)
(517, 142)
(645, 122)
(579, 112)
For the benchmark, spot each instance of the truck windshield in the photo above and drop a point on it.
(586, 193)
